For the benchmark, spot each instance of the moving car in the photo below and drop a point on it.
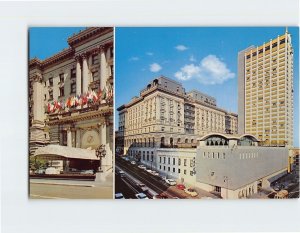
(122, 174)
(133, 162)
(119, 196)
(180, 186)
(143, 187)
(191, 192)
(141, 196)
(170, 181)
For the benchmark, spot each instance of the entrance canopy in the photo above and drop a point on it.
(57, 152)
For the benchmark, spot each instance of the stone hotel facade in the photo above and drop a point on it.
(165, 116)
(71, 94)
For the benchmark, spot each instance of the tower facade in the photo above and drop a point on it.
(265, 89)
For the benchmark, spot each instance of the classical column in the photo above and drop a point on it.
(78, 76)
(69, 138)
(78, 138)
(85, 75)
(38, 111)
(103, 68)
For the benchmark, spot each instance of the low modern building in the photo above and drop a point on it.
(235, 166)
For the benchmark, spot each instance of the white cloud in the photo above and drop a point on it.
(155, 67)
(211, 70)
(150, 53)
(192, 58)
(134, 59)
(181, 47)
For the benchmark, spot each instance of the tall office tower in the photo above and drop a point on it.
(265, 89)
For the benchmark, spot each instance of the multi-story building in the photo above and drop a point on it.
(70, 94)
(265, 90)
(165, 116)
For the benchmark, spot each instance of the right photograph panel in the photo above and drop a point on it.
(207, 113)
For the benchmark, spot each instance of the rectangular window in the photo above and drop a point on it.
(159, 167)
(173, 161)
(173, 169)
(178, 170)
(95, 59)
(73, 88)
(184, 163)
(73, 73)
(184, 172)
(61, 78)
(160, 159)
(95, 75)
(164, 168)
(51, 95)
(164, 160)
(50, 82)
(191, 173)
(169, 160)
(179, 162)
(61, 91)
(168, 168)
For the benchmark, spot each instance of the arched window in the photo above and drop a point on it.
(171, 142)
(186, 140)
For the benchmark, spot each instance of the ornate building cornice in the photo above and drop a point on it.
(88, 35)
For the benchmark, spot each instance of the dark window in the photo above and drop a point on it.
(50, 82)
(73, 88)
(50, 95)
(111, 51)
(274, 45)
(73, 73)
(178, 170)
(95, 75)
(95, 59)
(61, 78)
(173, 169)
(173, 161)
(61, 91)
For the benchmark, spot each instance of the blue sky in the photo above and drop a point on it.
(46, 41)
(200, 58)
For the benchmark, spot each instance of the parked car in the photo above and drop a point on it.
(180, 186)
(170, 181)
(119, 196)
(142, 167)
(40, 171)
(160, 196)
(155, 173)
(87, 172)
(143, 187)
(191, 192)
(141, 196)
(150, 171)
(133, 162)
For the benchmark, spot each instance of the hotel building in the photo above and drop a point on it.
(265, 90)
(165, 116)
(70, 95)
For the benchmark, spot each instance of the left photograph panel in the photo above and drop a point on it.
(70, 112)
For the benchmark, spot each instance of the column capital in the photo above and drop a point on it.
(77, 58)
(84, 55)
(37, 78)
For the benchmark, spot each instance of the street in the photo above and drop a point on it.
(71, 189)
(127, 185)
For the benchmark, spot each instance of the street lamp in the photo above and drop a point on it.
(100, 153)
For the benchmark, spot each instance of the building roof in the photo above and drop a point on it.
(228, 136)
(57, 152)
